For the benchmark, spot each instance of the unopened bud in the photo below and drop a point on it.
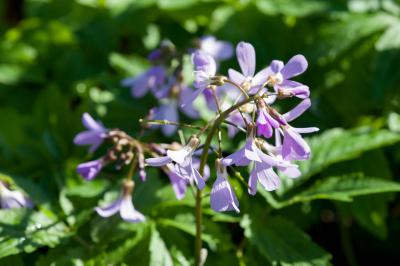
(193, 142)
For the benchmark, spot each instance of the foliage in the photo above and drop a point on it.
(64, 57)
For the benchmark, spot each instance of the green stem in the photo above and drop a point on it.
(166, 122)
(203, 159)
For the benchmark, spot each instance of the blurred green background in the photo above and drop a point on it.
(61, 58)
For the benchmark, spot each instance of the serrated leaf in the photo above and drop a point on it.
(282, 243)
(24, 231)
(159, 254)
(347, 31)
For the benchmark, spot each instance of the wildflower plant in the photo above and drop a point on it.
(243, 101)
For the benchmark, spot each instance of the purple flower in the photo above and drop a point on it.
(152, 80)
(222, 196)
(294, 146)
(264, 173)
(168, 110)
(179, 183)
(265, 123)
(204, 69)
(94, 135)
(183, 162)
(250, 81)
(279, 76)
(219, 50)
(10, 199)
(124, 206)
(263, 165)
(91, 169)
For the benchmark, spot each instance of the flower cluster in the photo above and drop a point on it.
(242, 101)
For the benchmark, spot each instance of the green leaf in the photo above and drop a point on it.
(128, 66)
(394, 122)
(370, 212)
(348, 30)
(159, 254)
(299, 8)
(390, 39)
(88, 189)
(337, 145)
(282, 243)
(188, 226)
(175, 5)
(344, 188)
(25, 231)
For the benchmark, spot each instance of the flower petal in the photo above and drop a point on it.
(253, 181)
(296, 65)
(222, 197)
(91, 124)
(128, 212)
(198, 179)
(246, 56)
(297, 110)
(276, 66)
(89, 170)
(87, 138)
(218, 49)
(305, 129)
(236, 76)
(110, 209)
(179, 184)
(159, 161)
(261, 77)
(269, 179)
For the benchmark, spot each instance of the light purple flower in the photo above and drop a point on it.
(263, 166)
(124, 206)
(264, 173)
(294, 146)
(10, 199)
(183, 162)
(179, 183)
(279, 76)
(91, 169)
(152, 80)
(94, 135)
(168, 110)
(265, 123)
(204, 69)
(219, 50)
(250, 81)
(244, 156)
(222, 197)
(284, 166)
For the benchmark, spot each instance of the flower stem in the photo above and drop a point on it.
(203, 159)
(199, 218)
(166, 122)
